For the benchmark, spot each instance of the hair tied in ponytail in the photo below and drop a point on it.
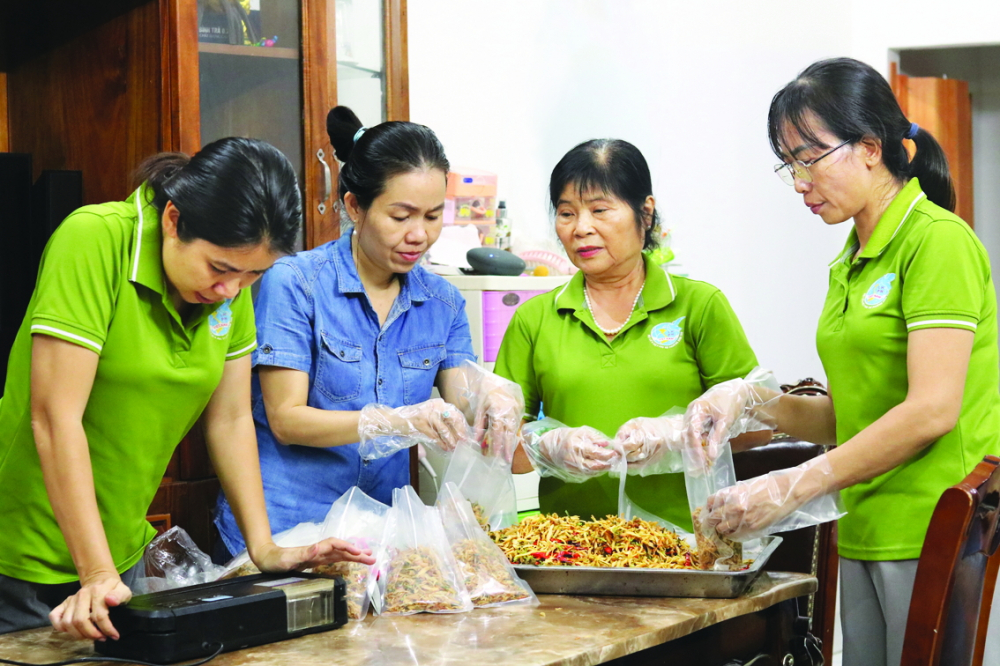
(357, 135)
(912, 134)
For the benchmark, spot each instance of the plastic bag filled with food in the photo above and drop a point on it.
(486, 482)
(359, 519)
(417, 571)
(703, 478)
(488, 576)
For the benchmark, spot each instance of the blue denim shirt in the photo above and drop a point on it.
(313, 315)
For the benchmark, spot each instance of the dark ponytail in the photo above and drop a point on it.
(614, 167)
(854, 102)
(234, 192)
(381, 152)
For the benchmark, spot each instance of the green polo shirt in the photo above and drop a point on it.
(683, 338)
(922, 268)
(101, 285)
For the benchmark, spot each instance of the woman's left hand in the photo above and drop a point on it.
(745, 510)
(274, 558)
(493, 404)
(497, 419)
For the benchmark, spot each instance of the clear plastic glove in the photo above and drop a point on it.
(782, 500)
(384, 430)
(571, 454)
(85, 614)
(496, 409)
(653, 445)
(730, 409)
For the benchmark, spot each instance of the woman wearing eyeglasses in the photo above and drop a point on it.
(908, 339)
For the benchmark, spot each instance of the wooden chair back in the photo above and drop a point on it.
(956, 574)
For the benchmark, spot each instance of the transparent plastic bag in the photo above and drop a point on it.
(779, 501)
(488, 576)
(487, 483)
(383, 430)
(174, 560)
(303, 534)
(573, 455)
(495, 408)
(703, 478)
(653, 445)
(417, 571)
(731, 408)
(359, 519)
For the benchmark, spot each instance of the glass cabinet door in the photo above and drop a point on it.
(272, 69)
(250, 73)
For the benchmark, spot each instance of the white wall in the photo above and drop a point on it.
(511, 86)
(881, 25)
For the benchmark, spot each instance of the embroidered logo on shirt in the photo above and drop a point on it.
(220, 320)
(879, 291)
(667, 335)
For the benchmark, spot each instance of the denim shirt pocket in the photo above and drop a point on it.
(419, 368)
(338, 370)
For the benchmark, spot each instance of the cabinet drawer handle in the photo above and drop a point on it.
(327, 181)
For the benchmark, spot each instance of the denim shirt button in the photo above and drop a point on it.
(341, 353)
(380, 382)
(427, 361)
(267, 349)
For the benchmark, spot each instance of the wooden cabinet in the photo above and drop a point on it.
(97, 86)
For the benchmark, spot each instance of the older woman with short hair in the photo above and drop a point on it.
(623, 339)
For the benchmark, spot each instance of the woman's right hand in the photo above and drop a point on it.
(84, 615)
(730, 409)
(433, 420)
(582, 451)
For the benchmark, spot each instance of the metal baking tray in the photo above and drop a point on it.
(621, 582)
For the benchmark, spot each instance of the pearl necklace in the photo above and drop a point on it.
(614, 331)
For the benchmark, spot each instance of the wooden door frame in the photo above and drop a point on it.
(319, 94)
(397, 68)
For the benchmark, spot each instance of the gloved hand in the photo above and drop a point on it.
(496, 407)
(384, 430)
(653, 445)
(730, 409)
(571, 454)
(763, 505)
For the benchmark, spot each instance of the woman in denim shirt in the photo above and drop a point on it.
(356, 323)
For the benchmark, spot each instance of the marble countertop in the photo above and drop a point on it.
(562, 630)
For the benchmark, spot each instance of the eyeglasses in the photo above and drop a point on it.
(788, 172)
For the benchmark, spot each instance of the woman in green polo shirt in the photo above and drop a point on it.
(623, 339)
(908, 339)
(141, 321)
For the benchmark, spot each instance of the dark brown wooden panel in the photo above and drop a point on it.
(189, 505)
(4, 136)
(93, 103)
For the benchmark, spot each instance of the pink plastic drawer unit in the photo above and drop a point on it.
(498, 309)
